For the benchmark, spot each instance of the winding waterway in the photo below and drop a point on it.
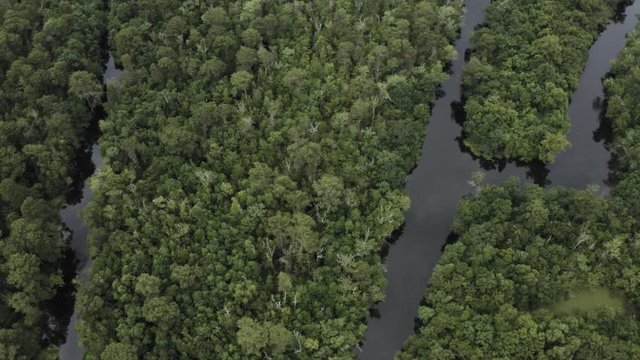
(441, 178)
(71, 349)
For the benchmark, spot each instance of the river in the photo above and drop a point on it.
(70, 215)
(441, 178)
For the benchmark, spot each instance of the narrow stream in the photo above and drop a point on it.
(441, 178)
(71, 349)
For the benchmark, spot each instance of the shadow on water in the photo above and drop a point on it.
(57, 310)
(395, 235)
(537, 171)
(604, 132)
(440, 179)
(451, 238)
(60, 310)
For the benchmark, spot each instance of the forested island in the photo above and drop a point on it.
(255, 158)
(50, 62)
(526, 63)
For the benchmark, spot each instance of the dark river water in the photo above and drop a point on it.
(71, 349)
(441, 178)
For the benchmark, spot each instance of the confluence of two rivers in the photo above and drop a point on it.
(438, 183)
(440, 179)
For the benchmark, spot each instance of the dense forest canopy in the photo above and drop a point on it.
(254, 160)
(526, 63)
(623, 109)
(50, 62)
(522, 251)
(255, 153)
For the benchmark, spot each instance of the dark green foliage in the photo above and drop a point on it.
(526, 63)
(521, 251)
(44, 46)
(254, 162)
(623, 108)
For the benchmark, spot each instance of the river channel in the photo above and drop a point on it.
(441, 178)
(78, 232)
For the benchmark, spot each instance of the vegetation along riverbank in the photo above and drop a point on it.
(50, 62)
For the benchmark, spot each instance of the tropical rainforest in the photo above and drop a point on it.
(255, 156)
(255, 153)
(522, 250)
(50, 62)
(526, 63)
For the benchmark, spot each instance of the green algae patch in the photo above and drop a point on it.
(590, 299)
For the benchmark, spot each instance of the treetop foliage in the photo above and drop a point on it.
(526, 63)
(50, 62)
(255, 153)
